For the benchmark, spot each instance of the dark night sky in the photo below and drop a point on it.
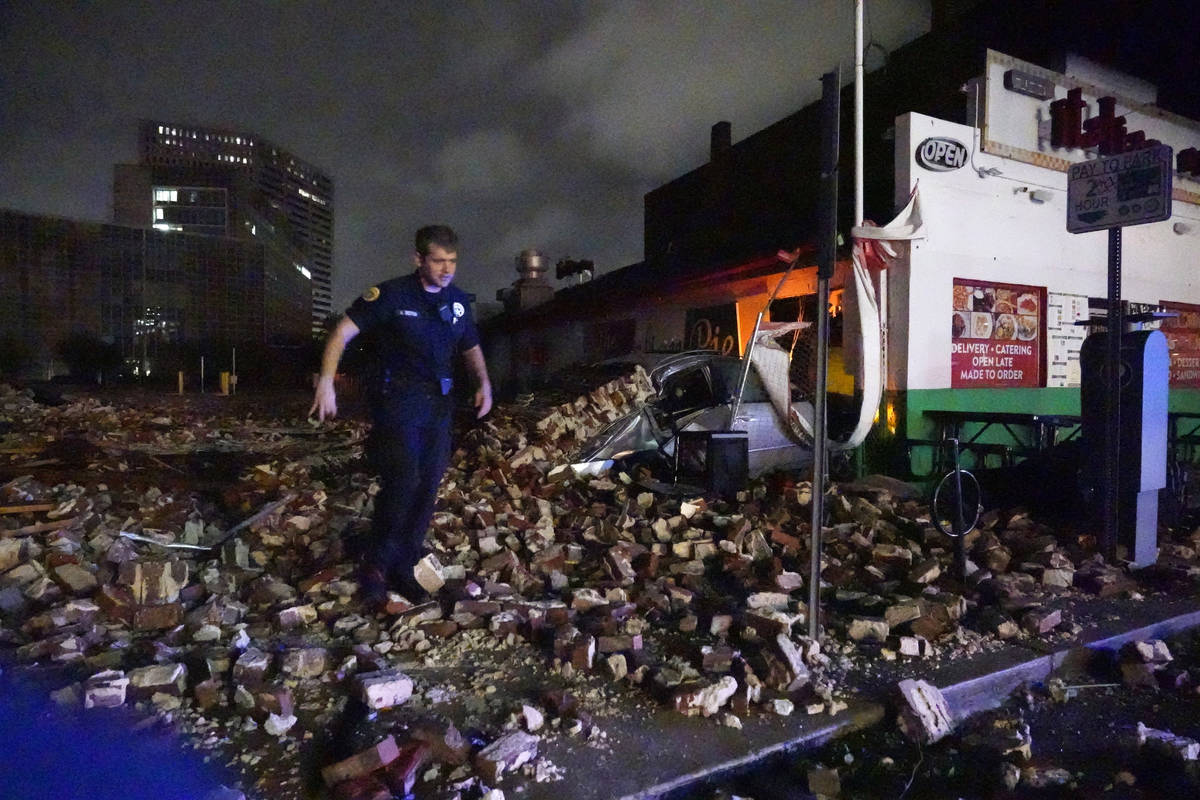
(522, 124)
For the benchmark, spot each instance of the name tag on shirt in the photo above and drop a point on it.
(404, 312)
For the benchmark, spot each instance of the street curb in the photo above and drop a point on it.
(991, 689)
(859, 717)
(667, 754)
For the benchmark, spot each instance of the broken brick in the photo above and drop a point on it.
(153, 618)
(251, 668)
(383, 753)
(446, 743)
(401, 774)
(154, 582)
(363, 787)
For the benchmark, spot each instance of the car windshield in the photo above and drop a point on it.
(726, 372)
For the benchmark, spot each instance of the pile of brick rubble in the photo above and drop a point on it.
(250, 638)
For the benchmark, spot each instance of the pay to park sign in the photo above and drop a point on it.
(1126, 189)
(996, 333)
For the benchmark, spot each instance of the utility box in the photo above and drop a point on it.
(1143, 379)
(717, 460)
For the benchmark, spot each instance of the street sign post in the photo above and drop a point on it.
(1109, 193)
(1126, 189)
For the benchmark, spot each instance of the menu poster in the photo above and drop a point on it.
(1064, 337)
(996, 333)
(1183, 343)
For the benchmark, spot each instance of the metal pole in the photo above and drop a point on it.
(819, 458)
(960, 524)
(827, 255)
(859, 465)
(1112, 397)
(858, 112)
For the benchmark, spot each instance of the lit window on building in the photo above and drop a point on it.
(158, 213)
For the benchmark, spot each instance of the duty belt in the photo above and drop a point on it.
(387, 379)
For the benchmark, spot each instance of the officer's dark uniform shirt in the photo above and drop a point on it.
(417, 332)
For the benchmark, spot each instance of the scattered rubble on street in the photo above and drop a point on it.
(231, 614)
(1076, 735)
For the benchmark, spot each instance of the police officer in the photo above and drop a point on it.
(421, 321)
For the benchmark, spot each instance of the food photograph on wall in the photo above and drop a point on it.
(996, 334)
(1183, 343)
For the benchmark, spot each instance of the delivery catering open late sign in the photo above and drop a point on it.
(996, 333)
(1183, 343)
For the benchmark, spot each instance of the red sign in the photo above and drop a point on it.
(996, 332)
(1183, 343)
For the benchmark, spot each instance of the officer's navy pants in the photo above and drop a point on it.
(409, 448)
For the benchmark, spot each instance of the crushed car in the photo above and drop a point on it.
(695, 391)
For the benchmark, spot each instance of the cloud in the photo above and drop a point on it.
(547, 229)
(643, 82)
(483, 164)
(522, 124)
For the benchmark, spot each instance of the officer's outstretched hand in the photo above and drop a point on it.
(324, 401)
(483, 400)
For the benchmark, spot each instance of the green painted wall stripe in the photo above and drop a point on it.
(911, 407)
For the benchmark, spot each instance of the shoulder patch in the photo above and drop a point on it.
(371, 295)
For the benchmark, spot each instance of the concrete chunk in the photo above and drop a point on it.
(159, 678)
(1180, 748)
(12, 553)
(305, 662)
(75, 579)
(384, 689)
(505, 754)
(925, 716)
(706, 700)
(916, 646)
(430, 573)
(869, 629)
(297, 616)
(768, 600)
(105, 689)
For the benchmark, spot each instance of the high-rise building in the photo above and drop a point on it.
(186, 193)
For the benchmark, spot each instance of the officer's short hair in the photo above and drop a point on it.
(441, 235)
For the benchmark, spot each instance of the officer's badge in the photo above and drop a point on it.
(459, 310)
(371, 295)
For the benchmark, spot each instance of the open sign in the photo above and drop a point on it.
(940, 154)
